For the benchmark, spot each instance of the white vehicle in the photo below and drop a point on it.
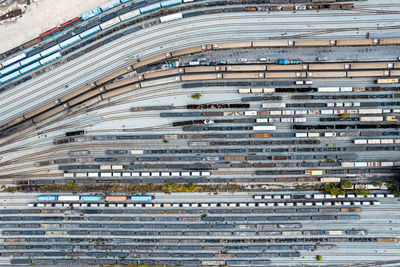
(242, 59)
(322, 58)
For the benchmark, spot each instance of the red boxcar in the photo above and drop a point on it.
(70, 23)
(49, 33)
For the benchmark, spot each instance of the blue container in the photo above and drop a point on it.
(47, 198)
(89, 32)
(170, 3)
(91, 13)
(142, 198)
(91, 198)
(150, 8)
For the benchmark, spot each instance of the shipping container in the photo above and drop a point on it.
(90, 14)
(90, 32)
(68, 198)
(142, 198)
(150, 8)
(109, 5)
(171, 17)
(47, 198)
(116, 198)
(169, 3)
(110, 23)
(316, 172)
(91, 198)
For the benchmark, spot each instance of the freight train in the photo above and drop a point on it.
(102, 89)
(113, 19)
(93, 198)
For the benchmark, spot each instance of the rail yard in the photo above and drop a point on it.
(204, 133)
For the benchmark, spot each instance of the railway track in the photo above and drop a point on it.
(119, 50)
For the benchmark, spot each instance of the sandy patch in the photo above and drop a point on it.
(39, 17)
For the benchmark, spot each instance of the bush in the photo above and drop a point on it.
(377, 183)
(165, 141)
(319, 258)
(204, 215)
(346, 184)
(363, 192)
(196, 96)
(344, 116)
(394, 187)
(191, 186)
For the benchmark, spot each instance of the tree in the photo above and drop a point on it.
(346, 184)
(191, 186)
(394, 187)
(344, 116)
(377, 183)
(196, 96)
(319, 258)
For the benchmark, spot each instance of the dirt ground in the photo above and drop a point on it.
(39, 16)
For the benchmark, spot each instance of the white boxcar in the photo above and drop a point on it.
(31, 59)
(50, 50)
(51, 58)
(264, 128)
(171, 17)
(110, 23)
(70, 41)
(68, 198)
(328, 89)
(130, 14)
(371, 110)
(13, 59)
(273, 105)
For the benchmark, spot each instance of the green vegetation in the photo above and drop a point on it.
(333, 189)
(364, 192)
(394, 187)
(377, 183)
(165, 141)
(196, 96)
(191, 186)
(203, 215)
(344, 116)
(341, 188)
(319, 258)
(346, 184)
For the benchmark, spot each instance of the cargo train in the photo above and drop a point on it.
(95, 92)
(94, 198)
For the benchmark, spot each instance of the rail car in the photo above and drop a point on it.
(93, 198)
(87, 100)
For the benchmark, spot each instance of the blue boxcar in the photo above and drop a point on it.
(91, 198)
(30, 67)
(110, 5)
(89, 32)
(91, 13)
(150, 8)
(142, 198)
(125, 1)
(10, 69)
(170, 3)
(50, 58)
(50, 50)
(31, 59)
(70, 41)
(10, 77)
(47, 198)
